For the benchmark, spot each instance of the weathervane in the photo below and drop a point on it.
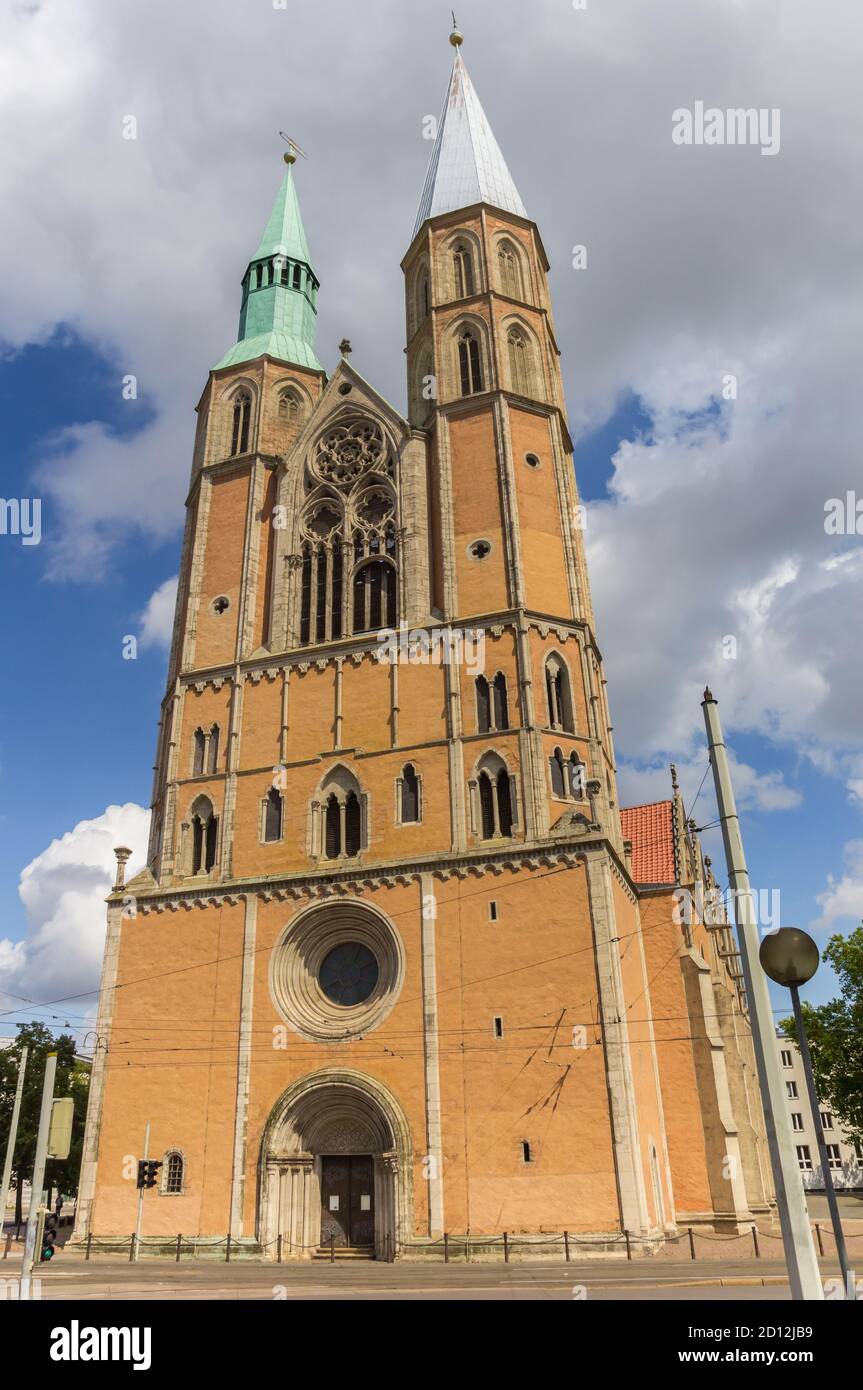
(456, 37)
(290, 157)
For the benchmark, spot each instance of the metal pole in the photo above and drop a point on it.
(829, 1189)
(803, 1273)
(13, 1133)
(38, 1174)
(137, 1241)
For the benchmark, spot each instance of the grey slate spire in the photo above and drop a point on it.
(466, 164)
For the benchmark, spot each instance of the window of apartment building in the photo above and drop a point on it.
(834, 1158)
(826, 1119)
(796, 1120)
(804, 1157)
(791, 1088)
(787, 1059)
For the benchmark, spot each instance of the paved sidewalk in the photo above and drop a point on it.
(105, 1279)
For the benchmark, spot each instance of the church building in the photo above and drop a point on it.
(399, 965)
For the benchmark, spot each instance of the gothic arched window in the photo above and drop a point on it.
(349, 546)
(559, 695)
(501, 709)
(341, 807)
(410, 795)
(173, 1173)
(200, 744)
(240, 427)
(483, 705)
(469, 364)
(494, 791)
(353, 825)
(463, 270)
(332, 828)
(577, 778)
(558, 774)
(204, 826)
(375, 596)
(213, 749)
(273, 815)
(509, 270)
(519, 364)
(289, 408)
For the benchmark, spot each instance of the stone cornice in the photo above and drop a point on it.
(388, 874)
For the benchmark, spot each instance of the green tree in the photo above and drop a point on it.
(72, 1079)
(835, 1033)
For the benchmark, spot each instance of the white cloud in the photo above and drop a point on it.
(157, 620)
(63, 891)
(842, 901)
(651, 781)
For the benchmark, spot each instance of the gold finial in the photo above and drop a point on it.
(290, 155)
(456, 37)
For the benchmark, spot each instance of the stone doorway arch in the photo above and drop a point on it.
(332, 1111)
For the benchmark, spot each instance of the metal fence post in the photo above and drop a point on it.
(628, 1246)
(566, 1245)
(132, 1248)
(228, 1249)
(691, 1243)
(755, 1242)
(332, 1250)
(446, 1248)
(179, 1238)
(505, 1248)
(89, 1243)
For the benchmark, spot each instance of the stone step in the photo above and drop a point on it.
(345, 1252)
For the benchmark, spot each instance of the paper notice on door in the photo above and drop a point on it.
(365, 1203)
(334, 1204)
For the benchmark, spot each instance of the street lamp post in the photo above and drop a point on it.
(790, 957)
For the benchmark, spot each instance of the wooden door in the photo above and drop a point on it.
(347, 1200)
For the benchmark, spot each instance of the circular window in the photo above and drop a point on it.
(349, 973)
(336, 971)
(478, 550)
(221, 604)
(532, 460)
(345, 390)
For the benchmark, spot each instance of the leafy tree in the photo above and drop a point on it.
(835, 1033)
(72, 1079)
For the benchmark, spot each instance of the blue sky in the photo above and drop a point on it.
(703, 520)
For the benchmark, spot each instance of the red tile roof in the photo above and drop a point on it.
(651, 830)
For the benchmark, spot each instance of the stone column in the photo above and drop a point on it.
(244, 1066)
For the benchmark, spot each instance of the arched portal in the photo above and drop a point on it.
(335, 1163)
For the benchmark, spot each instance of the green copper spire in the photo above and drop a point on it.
(279, 290)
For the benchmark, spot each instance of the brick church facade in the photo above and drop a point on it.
(399, 964)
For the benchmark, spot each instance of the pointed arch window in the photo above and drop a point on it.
(509, 270)
(492, 706)
(463, 269)
(493, 799)
(332, 828)
(240, 425)
(469, 363)
(353, 825)
(375, 596)
(213, 749)
(200, 747)
(409, 795)
(577, 778)
(204, 829)
(519, 361)
(273, 811)
(558, 695)
(558, 774)
(289, 408)
(339, 817)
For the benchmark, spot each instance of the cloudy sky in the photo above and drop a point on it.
(709, 557)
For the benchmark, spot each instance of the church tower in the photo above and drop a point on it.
(385, 974)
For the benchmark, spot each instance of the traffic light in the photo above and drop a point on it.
(148, 1169)
(49, 1237)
